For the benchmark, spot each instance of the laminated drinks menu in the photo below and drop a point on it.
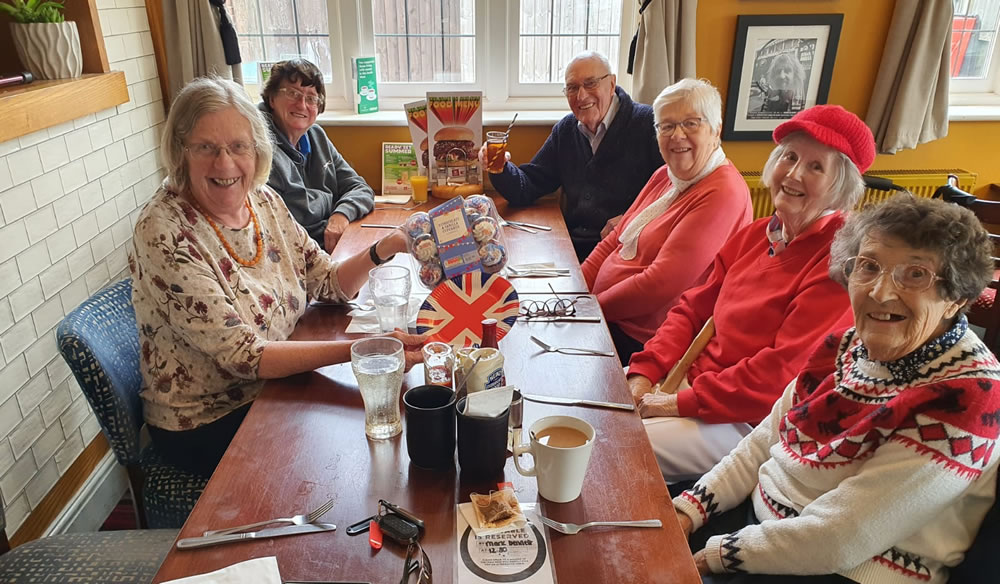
(455, 129)
(456, 246)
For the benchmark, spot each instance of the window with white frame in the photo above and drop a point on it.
(509, 49)
(975, 53)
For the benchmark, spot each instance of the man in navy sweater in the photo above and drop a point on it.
(601, 155)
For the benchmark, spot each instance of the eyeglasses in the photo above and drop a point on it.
(688, 126)
(550, 307)
(912, 277)
(296, 95)
(211, 151)
(588, 84)
(417, 561)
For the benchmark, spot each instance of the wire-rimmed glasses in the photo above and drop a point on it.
(912, 277)
(588, 84)
(688, 126)
(211, 151)
(417, 561)
(295, 95)
(548, 307)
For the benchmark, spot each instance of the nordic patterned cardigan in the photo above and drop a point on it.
(880, 472)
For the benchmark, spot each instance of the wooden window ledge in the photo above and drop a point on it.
(41, 104)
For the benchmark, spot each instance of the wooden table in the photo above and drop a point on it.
(303, 442)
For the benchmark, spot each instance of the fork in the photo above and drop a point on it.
(517, 226)
(570, 350)
(302, 519)
(573, 528)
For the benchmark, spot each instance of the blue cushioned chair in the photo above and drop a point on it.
(100, 342)
(123, 557)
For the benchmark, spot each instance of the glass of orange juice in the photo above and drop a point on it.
(496, 150)
(419, 184)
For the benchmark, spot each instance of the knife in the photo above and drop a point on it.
(207, 540)
(573, 401)
(529, 225)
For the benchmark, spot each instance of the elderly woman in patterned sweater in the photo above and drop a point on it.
(221, 274)
(878, 462)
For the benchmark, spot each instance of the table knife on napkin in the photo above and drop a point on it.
(573, 401)
(207, 540)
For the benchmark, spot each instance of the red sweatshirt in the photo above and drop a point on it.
(675, 250)
(769, 312)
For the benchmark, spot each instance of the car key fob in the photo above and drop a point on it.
(360, 526)
(398, 528)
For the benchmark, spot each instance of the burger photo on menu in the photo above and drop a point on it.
(454, 145)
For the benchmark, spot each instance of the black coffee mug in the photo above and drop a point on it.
(482, 442)
(430, 426)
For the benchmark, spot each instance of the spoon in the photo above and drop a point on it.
(460, 391)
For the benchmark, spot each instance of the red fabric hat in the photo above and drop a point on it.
(837, 128)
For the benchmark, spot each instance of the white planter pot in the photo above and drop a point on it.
(50, 50)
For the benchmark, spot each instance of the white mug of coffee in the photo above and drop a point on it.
(560, 446)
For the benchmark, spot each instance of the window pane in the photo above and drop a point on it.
(425, 40)
(273, 30)
(973, 37)
(312, 17)
(277, 16)
(245, 16)
(554, 31)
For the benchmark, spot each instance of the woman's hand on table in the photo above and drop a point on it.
(639, 386)
(335, 227)
(701, 563)
(412, 345)
(658, 405)
(685, 523)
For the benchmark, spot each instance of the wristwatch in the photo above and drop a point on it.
(374, 255)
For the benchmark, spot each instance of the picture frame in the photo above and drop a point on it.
(782, 64)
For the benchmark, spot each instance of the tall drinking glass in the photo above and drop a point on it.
(390, 287)
(496, 150)
(378, 365)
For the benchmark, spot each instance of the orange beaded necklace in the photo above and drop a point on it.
(258, 237)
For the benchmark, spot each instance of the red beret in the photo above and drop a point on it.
(837, 128)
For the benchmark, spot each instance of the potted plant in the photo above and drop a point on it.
(48, 46)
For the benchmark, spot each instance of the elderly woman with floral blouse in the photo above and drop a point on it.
(221, 274)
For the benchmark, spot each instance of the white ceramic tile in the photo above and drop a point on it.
(13, 376)
(41, 224)
(84, 229)
(46, 317)
(102, 4)
(100, 134)
(16, 478)
(10, 416)
(140, 93)
(41, 483)
(70, 450)
(148, 164)
(5, 181)
(25, 299)
(130, 173)
(118, 264)
(15, 240)
(17, 338)
(74, 294)
(32, 261)
(33, 138)
(54, 154)
(84, 121)
(55, 404)
(137, 19)
(46, 446)
(91, 196)
(115, 46)
(32, 393)
(25, 434)
(121, 127)
(125, 203)
(17, 512)
(121, 232)
(79, 261)
(132, 45)
(78, 144)
(24, 165)
(73, 176)
(101, 246)
(6, 456)
(74, 415)
(9, 146)
(68, 209)
(97, 278)
(155, 93)
(60, 129)
(6, 316)
(135, 146)
(115, 154)
(147, 43)
(140, 119)
(48, 188)
(57, 371)
(97, 165)
(111, 185)
(107, 215)
(131, 70)
(19, 201)
(89, 429)
(54, 278)
(61, 243)
(101, 115)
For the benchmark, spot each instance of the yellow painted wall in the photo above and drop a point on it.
(972, 146)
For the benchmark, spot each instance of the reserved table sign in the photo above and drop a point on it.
(516, 555)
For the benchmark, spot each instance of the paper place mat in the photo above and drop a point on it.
(256, 571)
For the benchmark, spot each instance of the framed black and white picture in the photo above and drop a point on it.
(782, 64)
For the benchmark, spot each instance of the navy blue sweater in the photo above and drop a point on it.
(596, 186)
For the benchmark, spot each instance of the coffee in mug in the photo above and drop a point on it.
(561, 447)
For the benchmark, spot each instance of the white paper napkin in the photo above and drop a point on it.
(366, 321)
(490, 403)
(256, 571)
(535, 266)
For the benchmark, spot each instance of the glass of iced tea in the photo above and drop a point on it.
(496, 150)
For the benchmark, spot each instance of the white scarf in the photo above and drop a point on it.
(630, 236)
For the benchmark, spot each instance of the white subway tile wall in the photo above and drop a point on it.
(69, 198)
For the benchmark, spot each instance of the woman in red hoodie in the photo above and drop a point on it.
(769, 295)
(666, 240)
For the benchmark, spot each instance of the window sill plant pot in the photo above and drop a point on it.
(48, 46)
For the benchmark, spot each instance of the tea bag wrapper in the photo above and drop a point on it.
(490, 403)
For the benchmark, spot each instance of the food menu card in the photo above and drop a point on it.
(458, 250)
(416, 119)
(398, 165)
(455, 130)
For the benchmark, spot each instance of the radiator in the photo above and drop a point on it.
(921, 183)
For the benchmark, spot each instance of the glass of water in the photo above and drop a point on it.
(390, 288)
(378, 364)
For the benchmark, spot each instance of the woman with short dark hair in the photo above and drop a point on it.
(319, 187)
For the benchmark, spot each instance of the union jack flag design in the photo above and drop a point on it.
(455, 309)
